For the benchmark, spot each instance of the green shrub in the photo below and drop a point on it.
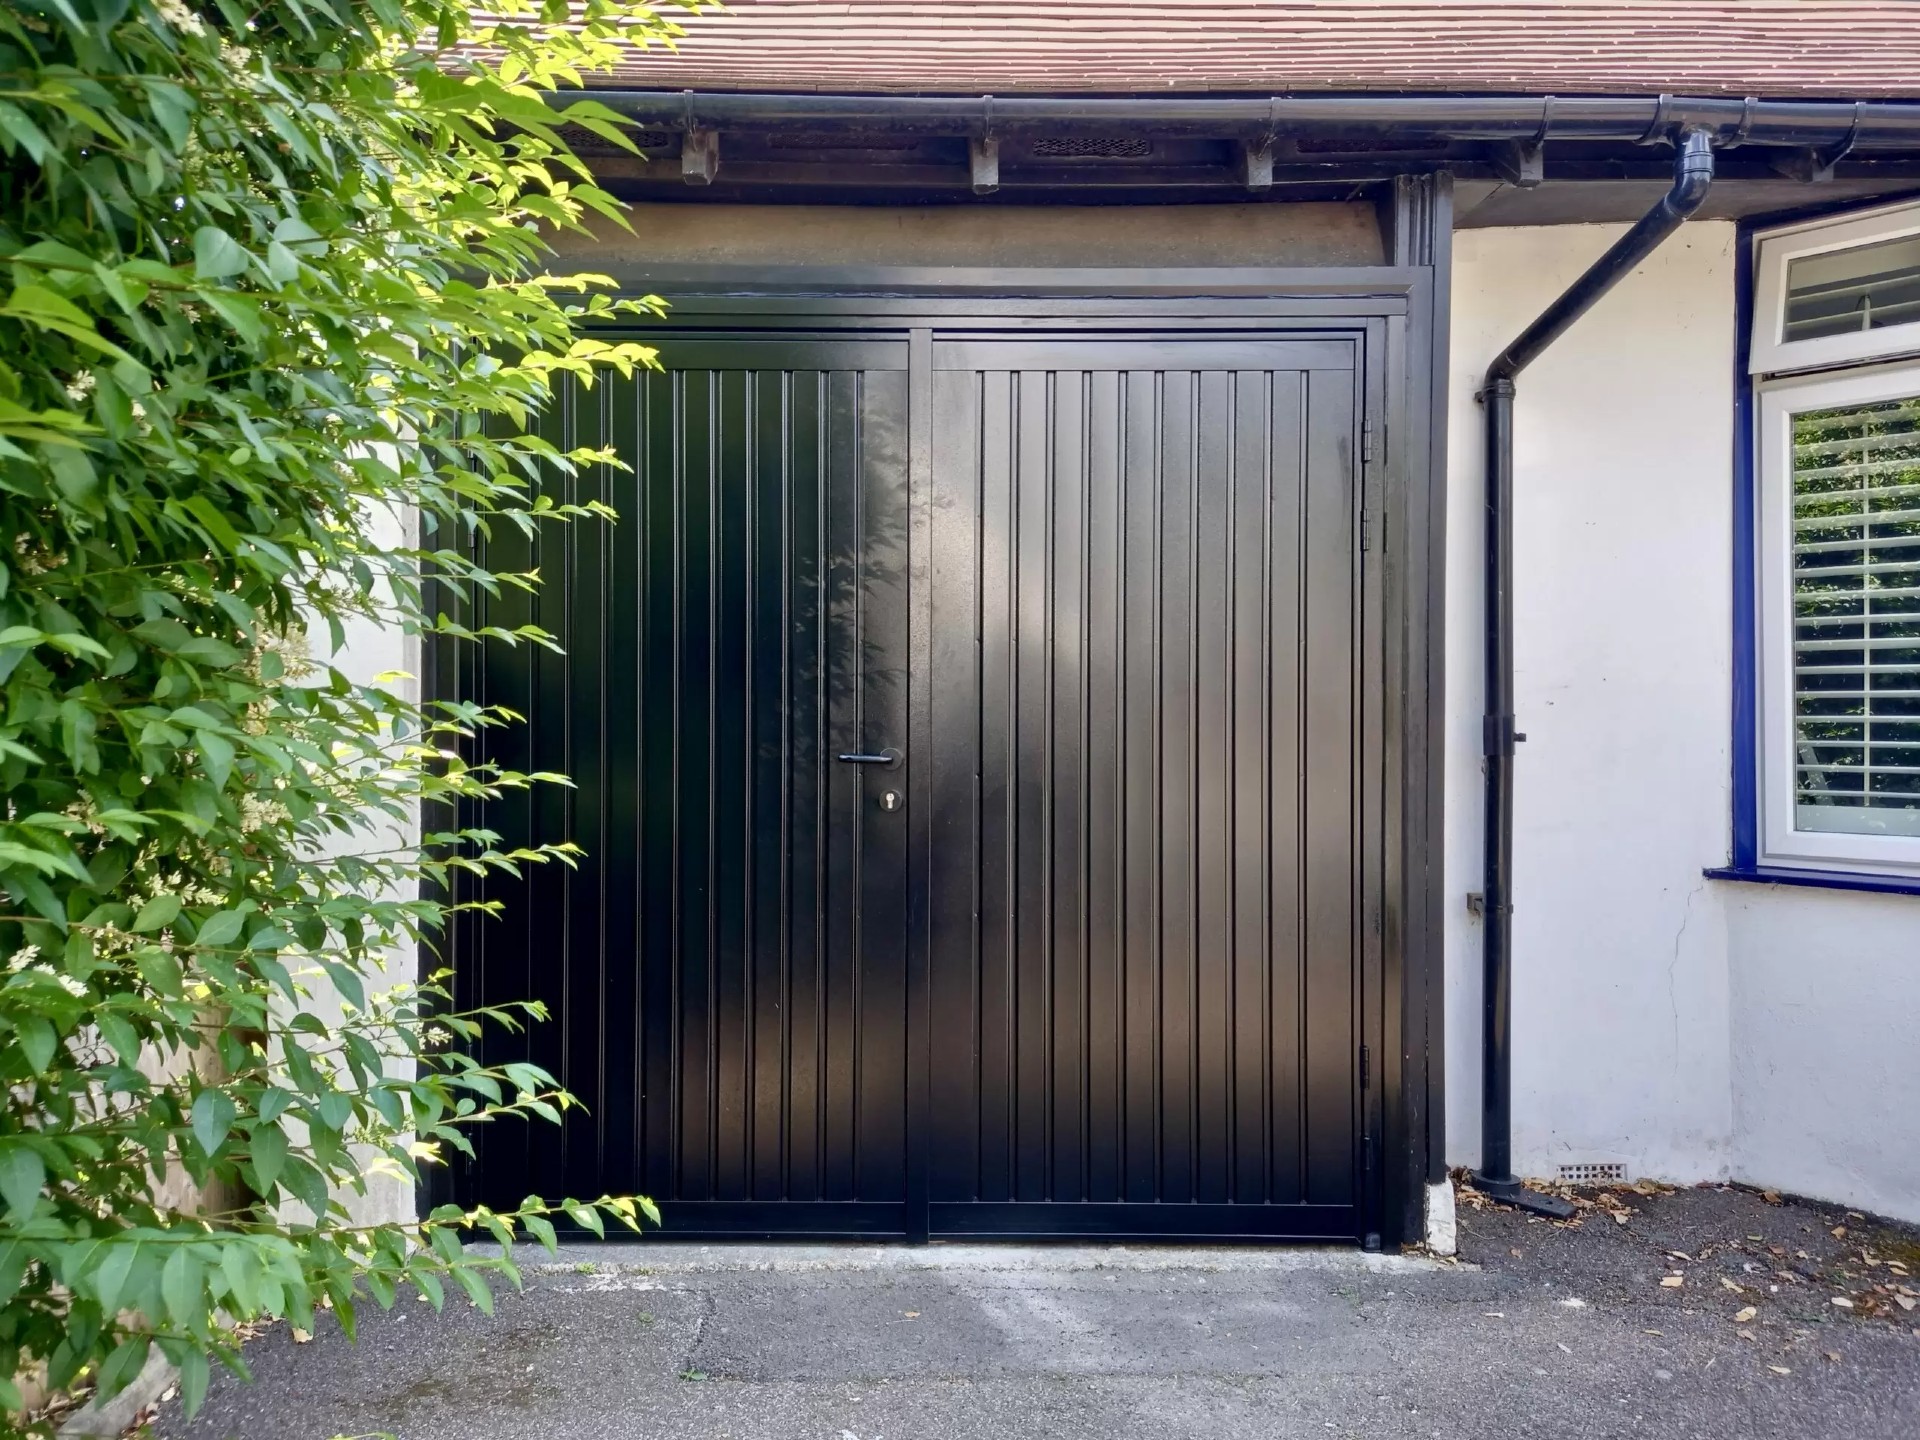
(273, 332)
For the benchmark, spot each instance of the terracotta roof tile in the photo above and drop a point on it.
(1777, 48)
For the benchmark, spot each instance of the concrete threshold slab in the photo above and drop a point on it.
(693, 1259)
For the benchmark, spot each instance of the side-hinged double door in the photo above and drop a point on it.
(1018, 895)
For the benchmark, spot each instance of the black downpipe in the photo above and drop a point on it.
(1693, 173)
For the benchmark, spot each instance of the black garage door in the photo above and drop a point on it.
(1114, 989)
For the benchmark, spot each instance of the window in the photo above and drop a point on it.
(1836, 355)
(1837, 292)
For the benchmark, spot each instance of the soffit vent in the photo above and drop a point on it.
(584, 142)
(1092, 147)
(856, 140)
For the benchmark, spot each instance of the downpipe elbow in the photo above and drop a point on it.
(1692, 174)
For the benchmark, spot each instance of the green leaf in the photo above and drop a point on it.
(216, 753)
(283, 266)
(217, 255)
(14, 1258)
(182, 1287)
(161, 910)
(38, 1041)
(542, 1230)
(269, 1146)
(22, 1177)
(213, 1117)
(585, 1216)
(129, 1357)
(209, 515)
(475, 1287)
(240, 1268)
(173, 107)
(17, 127)
(41, 306)
(110, 1275)
(193, 1380)
(221, 929)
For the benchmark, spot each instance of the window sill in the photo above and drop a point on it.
(1820, 879)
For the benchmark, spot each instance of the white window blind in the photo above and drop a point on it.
(1855, 583)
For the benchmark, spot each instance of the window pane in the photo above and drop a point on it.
(1856, 600)
(1843, 291)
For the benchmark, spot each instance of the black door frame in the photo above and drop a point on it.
(1399, 313)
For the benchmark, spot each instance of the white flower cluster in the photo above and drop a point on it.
(258, 813)
(176, 14)
(33, 558)
(86, 812)
(80, 387)
(27, 957)
(172, 882)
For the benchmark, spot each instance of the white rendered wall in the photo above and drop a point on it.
(1826, 1044)
(1693, 1029)
(1623, 557)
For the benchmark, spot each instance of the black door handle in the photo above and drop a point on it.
(888, 757)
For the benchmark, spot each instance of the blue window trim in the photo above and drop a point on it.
(1746, 653)
(1820, 879)
(1746, 866)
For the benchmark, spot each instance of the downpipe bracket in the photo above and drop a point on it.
(1508, 1190)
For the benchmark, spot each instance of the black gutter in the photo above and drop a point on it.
(1693, 173)
(1834, 126)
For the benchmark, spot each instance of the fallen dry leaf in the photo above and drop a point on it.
(1905, 1302)
(1833, 1355)
(301, 1337)
(1842, 1302)
(911, 1314)
(1746, 1334)
(1839, 1232)
(1652, 1332)
(1741, 1317)
(1772, 1197)
(1780, 1369)
(1734, 1286)
(1673, 1282)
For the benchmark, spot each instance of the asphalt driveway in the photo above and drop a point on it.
(1544, 1330)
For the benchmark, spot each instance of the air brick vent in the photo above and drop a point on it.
(1593, 1172)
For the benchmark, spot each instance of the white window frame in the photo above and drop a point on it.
(1781, 843)
(1772, 355)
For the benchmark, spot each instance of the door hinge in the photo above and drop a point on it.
(1366, 440)
(1366, 1068)
(1368, 520)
